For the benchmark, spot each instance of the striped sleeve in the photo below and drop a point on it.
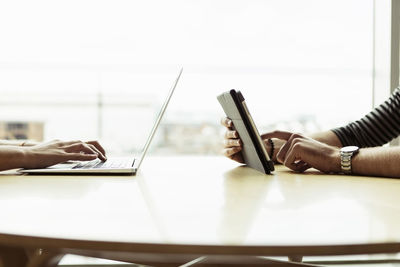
(377, 128)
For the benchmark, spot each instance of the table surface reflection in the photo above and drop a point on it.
(208, 201)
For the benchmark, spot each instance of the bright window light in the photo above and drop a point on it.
(93, 69)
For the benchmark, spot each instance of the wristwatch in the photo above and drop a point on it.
(346, 153)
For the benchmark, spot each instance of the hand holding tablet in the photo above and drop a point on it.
(253, 150)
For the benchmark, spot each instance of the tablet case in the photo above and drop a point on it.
(253, 152)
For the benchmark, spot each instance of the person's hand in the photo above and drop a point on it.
(233, 144)
(300, 153)
(50, 153)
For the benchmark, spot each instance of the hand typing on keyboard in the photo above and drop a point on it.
(50, 153)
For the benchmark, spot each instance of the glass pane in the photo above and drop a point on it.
(99, 69)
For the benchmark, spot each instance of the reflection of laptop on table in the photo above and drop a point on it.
(111, 166)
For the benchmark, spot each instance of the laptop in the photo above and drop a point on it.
(112, 165)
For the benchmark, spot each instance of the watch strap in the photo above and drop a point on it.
(346, 155)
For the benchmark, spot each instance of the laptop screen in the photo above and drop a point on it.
(158, 120)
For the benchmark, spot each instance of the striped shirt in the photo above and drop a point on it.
(377, 128)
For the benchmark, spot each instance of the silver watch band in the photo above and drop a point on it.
(345, 162)
(346, 154)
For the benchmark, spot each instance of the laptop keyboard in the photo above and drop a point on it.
(109, 164)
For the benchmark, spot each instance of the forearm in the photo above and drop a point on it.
(328, 137)
(11, 143)
(17, 143)
(377, 161)
(11, 157)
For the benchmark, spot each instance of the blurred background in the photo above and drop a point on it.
(93, 69)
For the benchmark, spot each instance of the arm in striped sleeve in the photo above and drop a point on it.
(377, 128)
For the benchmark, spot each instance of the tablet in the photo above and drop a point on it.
(254, 153)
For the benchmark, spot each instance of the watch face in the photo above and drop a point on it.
(349, 149)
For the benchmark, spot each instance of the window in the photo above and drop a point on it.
(99, 69)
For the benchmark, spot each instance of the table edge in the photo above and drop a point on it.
(74, 245)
